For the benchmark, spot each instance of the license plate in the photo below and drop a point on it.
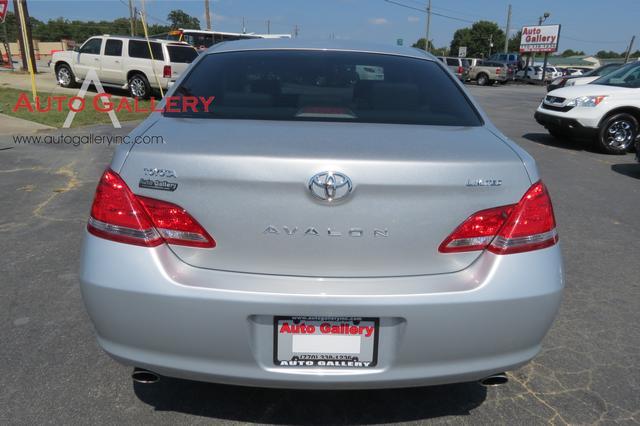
(325, 342)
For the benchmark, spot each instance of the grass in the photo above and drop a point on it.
(54, 118)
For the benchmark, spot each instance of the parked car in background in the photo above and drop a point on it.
(485, 73)
(593, 75)
(552, 73)
(578, 71)
(458, 66)
(272, 241)
(474, 61)
(513, 60)
(124, 62)
(606, 111)
(530, 73)
(572, 80)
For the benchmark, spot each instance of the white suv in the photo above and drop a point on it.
(606, 111)
(124, 62)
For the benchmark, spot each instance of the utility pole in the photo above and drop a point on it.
(296, 31)
(207, 14)
(546, 54)
(21, 45)
(26, 45)
(506, 39)
(132, 18)
(268, 26)
(244, 27)
(135, 20)
(426, 41)
(144, 10)
(626, 57)
(490, 44)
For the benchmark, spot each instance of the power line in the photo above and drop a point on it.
(593, 41)
(473, 14)
(433, 13)
(148, 15)
(479, 17)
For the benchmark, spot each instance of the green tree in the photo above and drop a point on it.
(604, 54)
(477, 38)
(421, 42)
(12, 26)
(514, 42)
(571, 52)
(437, 51)
(180, 19)
(59, 28)
(440, 51)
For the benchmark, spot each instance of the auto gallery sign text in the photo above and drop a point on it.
(542, 38)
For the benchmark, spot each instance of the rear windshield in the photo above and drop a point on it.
(627, 76)
(182, 54)
(327, 86)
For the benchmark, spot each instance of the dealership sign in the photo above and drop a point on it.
(4, 6)
(540, 38)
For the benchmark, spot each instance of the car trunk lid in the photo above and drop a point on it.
(247, 183)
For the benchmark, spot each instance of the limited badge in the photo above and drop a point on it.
(161, 185)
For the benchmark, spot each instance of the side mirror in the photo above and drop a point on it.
(76, 49)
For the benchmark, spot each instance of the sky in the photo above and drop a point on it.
(588, 25)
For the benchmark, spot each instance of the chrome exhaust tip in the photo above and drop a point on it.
(146, 377)
(494, 380)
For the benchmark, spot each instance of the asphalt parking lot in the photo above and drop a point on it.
(52, 371)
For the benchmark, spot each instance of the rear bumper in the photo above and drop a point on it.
(151, 310)
(566, 124)
(156, 82)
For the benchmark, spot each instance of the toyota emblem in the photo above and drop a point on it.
(330, 186)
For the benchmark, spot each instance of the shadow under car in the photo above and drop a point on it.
(285, 406)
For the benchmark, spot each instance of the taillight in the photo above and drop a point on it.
(498, 71)
(166, 71)
(460, 70)
(528, 225)
(175, 224)
(119, 215)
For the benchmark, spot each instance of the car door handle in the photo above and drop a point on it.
(96, 59)
(117, 62)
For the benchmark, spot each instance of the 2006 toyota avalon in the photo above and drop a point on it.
(341, 216)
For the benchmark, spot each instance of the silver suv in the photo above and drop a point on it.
(458, 66)
(124, 62)
(320, 227)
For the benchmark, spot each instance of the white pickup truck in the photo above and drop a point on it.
(124, 62)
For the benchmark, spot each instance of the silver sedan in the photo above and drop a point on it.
(321, 216)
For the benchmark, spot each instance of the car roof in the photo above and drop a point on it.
(138, 38)
(331, 45)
